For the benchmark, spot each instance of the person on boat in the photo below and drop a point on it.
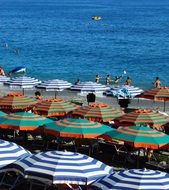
(157, 83)
(2, 73)
(77, 82)
(108, 79)
(128, 81)
(97, 79)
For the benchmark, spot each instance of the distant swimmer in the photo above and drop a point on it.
(16, 51)
(6, 45)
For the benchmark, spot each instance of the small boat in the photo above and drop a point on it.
(96, 18)
(18, 70)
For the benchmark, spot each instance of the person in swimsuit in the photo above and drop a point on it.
(97, 79)
(157, 83)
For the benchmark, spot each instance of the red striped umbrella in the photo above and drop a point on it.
(98, 112)
(157, 94)
(16, 101)
(141, 117)
(54, 107)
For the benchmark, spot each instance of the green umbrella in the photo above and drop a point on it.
(77, 128)
(140, 137)
(23, 121)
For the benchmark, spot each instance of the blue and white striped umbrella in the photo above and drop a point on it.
(22, 82)
(90, 87)
(4, 79)
(134, 179)
(11, 152)
(58, 167)
(124, 91)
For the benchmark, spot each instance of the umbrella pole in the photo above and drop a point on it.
(23, 92)
(138, 155)
(164, 106)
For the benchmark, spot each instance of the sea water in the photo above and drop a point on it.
(59, 39)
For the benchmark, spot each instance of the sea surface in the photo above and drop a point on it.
(59, 39)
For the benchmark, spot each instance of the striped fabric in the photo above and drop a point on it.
(23, 82)
(141, 117)
(23, 121)
(77, 128)
(89, 87)
(134, 179)
(2, 113)
(4, 79)
(11, 152)
(57, 167)
(54, 85)
(140, 137)
(54, 107)
(98, 112)
(16, 101)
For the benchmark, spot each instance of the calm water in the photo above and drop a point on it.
(58, 38)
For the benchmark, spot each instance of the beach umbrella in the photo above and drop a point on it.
(77, 128)
(23, 121)
(54, 107)
(89, 87)
(2, 113)
(4, 79)
(98, 112)
(23, 82)
(157, 94)
(54, 85)
(142, 117)
(124, 91)
(140, 137)
(58, 167)
(11, 152)
(16, 101)
(133, 179)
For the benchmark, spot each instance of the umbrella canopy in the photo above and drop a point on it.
(11, 152)
(22, 82)
(54, 107)
(23, 121)
(2, 113)
(89, 87)
(134, 179)
(16, 101)
(4, 79)
(157, 94)
(141, 117)
(57, 167)
(98, 112)
(77, 128)
(140, 137)
(54, 85)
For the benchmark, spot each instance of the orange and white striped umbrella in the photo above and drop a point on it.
(98, 112)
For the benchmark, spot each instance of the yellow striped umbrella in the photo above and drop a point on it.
(16, 101)
(157, 94)
(141, 117)
(98, 112)
(54, 107)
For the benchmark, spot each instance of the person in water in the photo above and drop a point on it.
(97, 79)
(128, 81)
(157, 83)
(2, 73)
(117, 79)
(108, 80)
(77, 82)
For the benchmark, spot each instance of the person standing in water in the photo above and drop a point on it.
(2, 73)
(108, 79)
(157, 83)
(128, 81)
(97, 79)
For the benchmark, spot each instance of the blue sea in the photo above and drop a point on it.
(59, 39)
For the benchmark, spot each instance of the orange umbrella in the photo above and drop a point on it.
(141, 117)
(54, 107)
(16, 101)
(98, 112)
(157, 94)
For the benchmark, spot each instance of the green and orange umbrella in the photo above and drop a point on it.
(98, 112)
(77, 128)
(16, 101)
(23, 121)
(54, 107)
(141, 117)
(156, 94)
(140, 137)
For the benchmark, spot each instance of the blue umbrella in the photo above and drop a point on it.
(11, 152)
(134, 179)
(58, 167)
